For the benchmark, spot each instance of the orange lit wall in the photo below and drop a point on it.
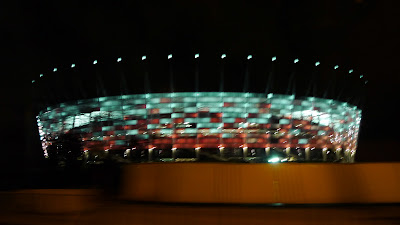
(262, 183)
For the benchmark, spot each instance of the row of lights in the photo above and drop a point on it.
(197, 55)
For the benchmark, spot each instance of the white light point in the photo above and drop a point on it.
(143, 57)
(317, 63)
(170, 56)
(274, 58)
(249, 57)
(274, 160)
(197, 56)
(119, 59)
(223, 56)
(296, 61)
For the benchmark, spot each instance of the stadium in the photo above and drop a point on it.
(196, 126)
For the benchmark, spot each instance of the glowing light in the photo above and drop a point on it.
(223, 56)
(249, 56)
(33, 81)
(55, 69)
(350, 71)
(361, 76)
(145, 104)
(95, 62)
(273, 160)
(296, 61)
(337, 66)
(317, 63)
(170, 56)
(119, 59)
(366, 82)
(143, 57)
(274, 58)
(196, 56)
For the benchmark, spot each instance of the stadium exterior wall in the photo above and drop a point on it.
(169, 126)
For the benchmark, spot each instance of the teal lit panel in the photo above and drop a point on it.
(111, 103)
(231, 115)
(228, 99)
(131, 112)
(210, 104)
(209, 99)
(262, 120)
(189, 99)
(252, 110)
(177, 115)
(131, 132)
(191, 130)
(128, 107)
(177, 105)
(264, 115)
(303, 141)
(284, 121)
(191, 120)
(209, 125)
(190, 110)
(252, 120)
(225, 135)
(203, 120)
(228, 120)
(139, 101)
(215, 109)
(165, 110)
(152, 126)
(107, 128)
(254, 100)
(131, 122)
(154, 100)
(165, 120)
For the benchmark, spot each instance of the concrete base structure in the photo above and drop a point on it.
(290, 183)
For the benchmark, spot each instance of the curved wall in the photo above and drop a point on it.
(291, 183)
(181, 125)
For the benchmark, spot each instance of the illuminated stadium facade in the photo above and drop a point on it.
(186, 126)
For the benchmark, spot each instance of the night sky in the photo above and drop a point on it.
(39, 35)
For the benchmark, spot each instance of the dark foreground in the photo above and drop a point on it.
(128, 213)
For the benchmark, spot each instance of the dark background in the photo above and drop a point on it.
(40, 35)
